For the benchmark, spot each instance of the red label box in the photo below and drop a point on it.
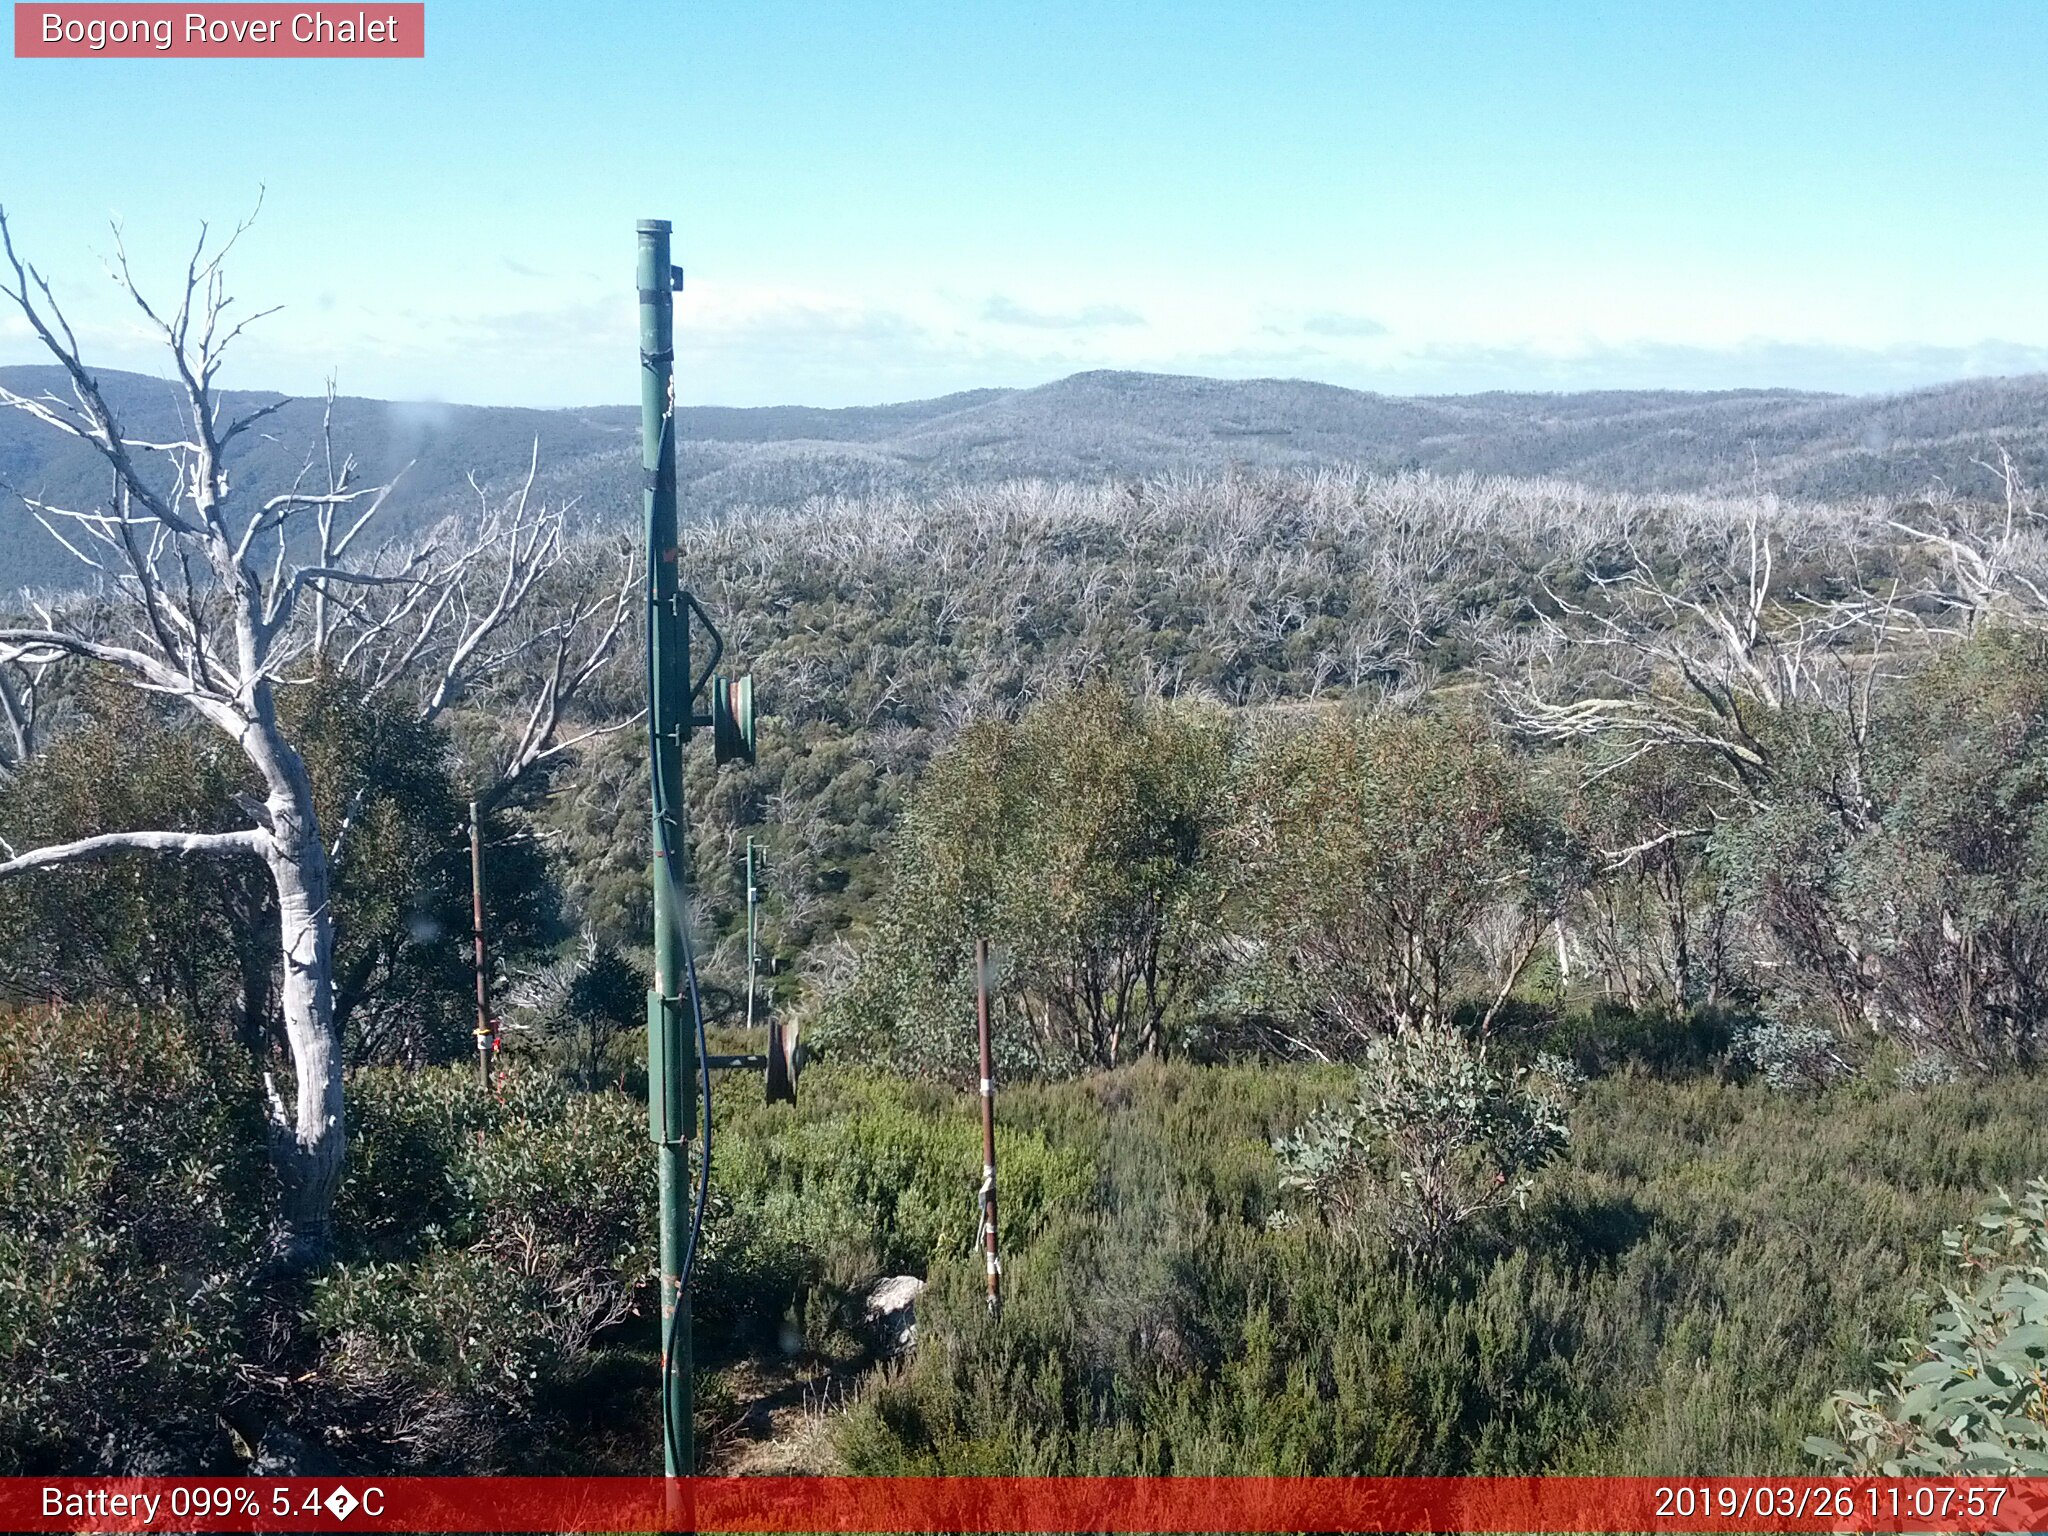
(1124, 1506)
(368, 29)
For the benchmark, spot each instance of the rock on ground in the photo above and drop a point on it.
(892, 1311)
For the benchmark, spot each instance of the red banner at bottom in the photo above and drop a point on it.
(1109, 1504)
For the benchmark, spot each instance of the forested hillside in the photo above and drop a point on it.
(1149, 923)
(1088, 427)
(1492, 975)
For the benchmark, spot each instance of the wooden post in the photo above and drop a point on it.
(483, 976)
(988, 1130)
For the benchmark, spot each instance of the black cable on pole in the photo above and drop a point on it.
(703, 1173)
(665, 862)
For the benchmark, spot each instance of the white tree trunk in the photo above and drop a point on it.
(307, 1147)
(216, 625)
(308, 1139)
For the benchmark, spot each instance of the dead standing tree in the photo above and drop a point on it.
(1735, 677)
(1706, 668)
(214, 586)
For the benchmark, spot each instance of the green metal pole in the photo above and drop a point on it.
(671, 1058)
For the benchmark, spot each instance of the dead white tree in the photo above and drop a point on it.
(1986, 567)
(21, 697)
(1721, 663)
(1707, 660)
(1705, 667)
(220, 599)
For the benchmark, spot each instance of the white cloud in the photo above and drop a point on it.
(1332, 323)
(574, 342)
(1001, 310)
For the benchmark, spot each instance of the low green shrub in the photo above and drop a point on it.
(868, 1175)
(1693, 1277)
(1436, 1136)
(1793, 1057)
(1661, 1041)
(131, 1227)
(505, 1239)
(1972, 1401)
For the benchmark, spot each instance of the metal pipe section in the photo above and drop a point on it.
(779, 1078)
(671, 1061)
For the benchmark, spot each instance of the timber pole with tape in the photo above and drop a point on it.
(988, 1130)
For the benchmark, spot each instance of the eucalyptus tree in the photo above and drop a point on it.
(1800, 708)
(215, 598)
(1394, 867)
(1083, 841)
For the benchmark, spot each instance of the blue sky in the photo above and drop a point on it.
(886, 201)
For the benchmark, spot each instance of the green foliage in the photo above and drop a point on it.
(1690, 1280)
(1793, 1058)
(1952, 888)
(151, 932)
(1972, 1401)
(497, 1284)
(492, 1307)
(130, 1200)
(1851, 879)
(519, 1233)
(1650, 911)
(1689, 1283)
(200, 935)
(1436, 1136)
(1691, 1276)
(1081, 842)
(866, 1176)
(1864, 879)
(580, 1004)
(1610, 1037)
(1347, 874)
(385, 787)
(1902, 875)
(596, 818)
(1786, 862)
(1373, 851)
(877, 630)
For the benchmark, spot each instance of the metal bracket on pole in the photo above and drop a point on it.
(671, 1106)
(691, 608)
(731, 715)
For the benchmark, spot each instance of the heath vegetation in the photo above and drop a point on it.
(1489, 975)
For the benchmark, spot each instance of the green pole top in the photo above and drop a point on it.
(654, 226)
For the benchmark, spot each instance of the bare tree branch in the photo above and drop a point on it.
(208, 843)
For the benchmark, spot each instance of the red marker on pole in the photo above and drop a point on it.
(988, 1131)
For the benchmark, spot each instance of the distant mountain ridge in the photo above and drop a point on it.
(1089, 426)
